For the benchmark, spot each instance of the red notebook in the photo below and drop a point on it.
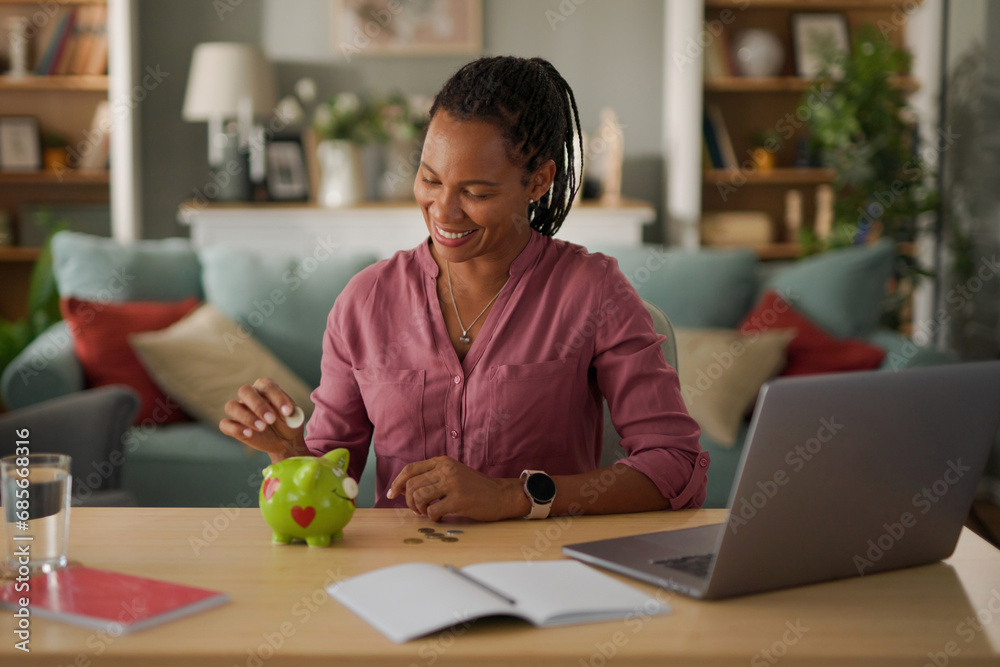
(100, 599)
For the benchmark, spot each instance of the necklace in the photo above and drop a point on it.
(464, 338)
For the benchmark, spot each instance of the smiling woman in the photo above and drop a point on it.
(452, 360)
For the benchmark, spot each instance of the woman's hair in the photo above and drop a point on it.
(535, 109)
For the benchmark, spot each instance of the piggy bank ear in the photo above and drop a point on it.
(305, 476)
(338, 458)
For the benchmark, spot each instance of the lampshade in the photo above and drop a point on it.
(222, 74)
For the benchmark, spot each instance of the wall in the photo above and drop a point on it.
(174, 154)
(610, 53)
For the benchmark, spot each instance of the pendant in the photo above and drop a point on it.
(464, 339)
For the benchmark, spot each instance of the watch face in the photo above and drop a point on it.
(541, 487)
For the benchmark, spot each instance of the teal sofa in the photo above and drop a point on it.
(842, 291)
(194, 464)
(189, 464)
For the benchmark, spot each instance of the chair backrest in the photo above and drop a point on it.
(612, 449)
(87, 425)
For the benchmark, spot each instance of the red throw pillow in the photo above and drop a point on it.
(812, 350)
(100, 339)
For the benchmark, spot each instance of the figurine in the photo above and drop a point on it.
(309, 498)
(613, 155)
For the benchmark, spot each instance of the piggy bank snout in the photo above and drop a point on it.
(350, 488)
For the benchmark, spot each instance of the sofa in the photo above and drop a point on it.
(283, 305)
(712, 292)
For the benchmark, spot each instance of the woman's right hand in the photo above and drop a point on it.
(257, 419)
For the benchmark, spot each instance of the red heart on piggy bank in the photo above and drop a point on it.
(271, 485)
(303, 515)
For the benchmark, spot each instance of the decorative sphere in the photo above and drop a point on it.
(758, 53)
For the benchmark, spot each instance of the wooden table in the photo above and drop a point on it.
(281, 615)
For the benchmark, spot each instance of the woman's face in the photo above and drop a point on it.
(473, 197)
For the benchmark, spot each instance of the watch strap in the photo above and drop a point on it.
(539, 510)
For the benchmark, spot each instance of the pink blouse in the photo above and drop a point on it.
(567, 329)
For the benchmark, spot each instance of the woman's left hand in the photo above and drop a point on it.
(442, 485)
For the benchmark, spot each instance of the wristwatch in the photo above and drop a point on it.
(541, 491)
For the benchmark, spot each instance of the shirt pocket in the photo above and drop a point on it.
(394, 400)
(531, 406)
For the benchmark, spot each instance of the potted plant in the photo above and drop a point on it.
(344, 124)
(43, 302)
(863, 130)
(369, 146)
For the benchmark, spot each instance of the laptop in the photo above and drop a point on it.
(841, 475)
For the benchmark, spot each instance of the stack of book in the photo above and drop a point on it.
(78, 44)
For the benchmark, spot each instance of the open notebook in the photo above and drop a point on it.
(413, 599)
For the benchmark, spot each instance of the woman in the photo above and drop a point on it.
(481, 356)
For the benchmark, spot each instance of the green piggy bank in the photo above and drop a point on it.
(309, 498)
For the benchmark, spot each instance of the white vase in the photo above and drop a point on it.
(758, 53)
(341, 180)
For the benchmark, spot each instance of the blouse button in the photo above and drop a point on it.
(703, 463)
(454, 434)
(457, 379)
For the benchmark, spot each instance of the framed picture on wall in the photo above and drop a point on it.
(20, 144)
(819, 38)
(364, 28)
(286, 171)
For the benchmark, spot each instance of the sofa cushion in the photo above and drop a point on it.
(841, 290)
(202, 359)
(705, 289)
(100, 269)
(812, 350)
(282, 303)
(100, 340)
(721, 373)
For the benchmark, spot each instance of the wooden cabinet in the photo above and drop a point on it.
(62, 104)
(750, 106)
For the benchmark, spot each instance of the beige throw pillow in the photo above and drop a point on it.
(721, 373)
(203, 359)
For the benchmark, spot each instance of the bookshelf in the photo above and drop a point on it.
(751, 105)
(62, 104)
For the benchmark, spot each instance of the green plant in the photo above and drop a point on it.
(862, 128)
(43, 301)
(367, 119)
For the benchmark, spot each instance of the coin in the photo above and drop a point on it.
(455, 531)
(426, 530)
(449, 539)
(433, 536)
(413, 540)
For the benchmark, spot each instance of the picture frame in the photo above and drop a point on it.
(20, 144)
(814, 35)
(362, 28)
(286, 171)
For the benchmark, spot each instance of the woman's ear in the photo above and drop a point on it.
(541, 180)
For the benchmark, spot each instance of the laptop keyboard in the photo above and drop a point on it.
(697, 566)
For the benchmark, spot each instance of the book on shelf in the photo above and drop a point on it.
(718, 62)
(106, 601)
(97, 57)
(53, 49)
(407, 601)
(82, 43)
(711, 141)
(722, 135)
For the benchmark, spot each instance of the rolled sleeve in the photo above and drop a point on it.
(644, 398)
(340, 418)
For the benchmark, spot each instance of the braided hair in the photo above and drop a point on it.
(534, 107)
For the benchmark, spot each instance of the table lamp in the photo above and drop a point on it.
(230, 81)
